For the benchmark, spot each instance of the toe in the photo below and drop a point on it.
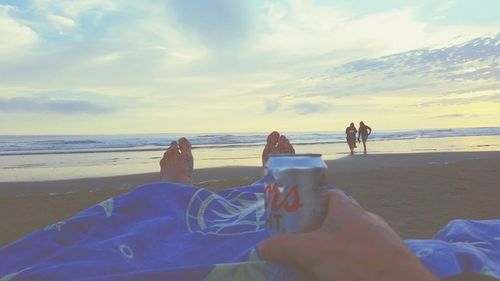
(167, 163)
(271, 146)
(186, 165)
(273, 138)
(284, 145)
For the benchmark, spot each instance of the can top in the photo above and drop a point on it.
(294, 155)
(295, 161)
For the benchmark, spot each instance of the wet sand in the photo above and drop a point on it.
(416, 193)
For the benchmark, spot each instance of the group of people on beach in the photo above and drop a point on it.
(363, 133)
(177, 162)
(350, 244)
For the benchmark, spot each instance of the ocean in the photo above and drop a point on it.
(50, 157)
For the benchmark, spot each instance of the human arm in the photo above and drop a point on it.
(369, 130)
(351, 244)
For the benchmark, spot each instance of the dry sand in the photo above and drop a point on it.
(416, 193)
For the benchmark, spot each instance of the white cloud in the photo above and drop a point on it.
(145, 51)
(304, 28)
(411, 73)
(14, 35)
(441, 10)
(151, 39)
(61, 23)
(75, 9)
(159, 33)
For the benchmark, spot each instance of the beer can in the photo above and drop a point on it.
(296, 199)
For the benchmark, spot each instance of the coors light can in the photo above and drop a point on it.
(296, 200)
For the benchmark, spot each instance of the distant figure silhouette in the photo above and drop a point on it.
(351, 137)
(363, 133)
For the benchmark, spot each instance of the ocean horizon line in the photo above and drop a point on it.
(194, 147)
(202, 134)
(76, 144)
(197, 147)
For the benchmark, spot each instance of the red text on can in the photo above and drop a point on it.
(289, 202)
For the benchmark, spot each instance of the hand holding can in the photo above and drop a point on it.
(351, 244)
(295, 199)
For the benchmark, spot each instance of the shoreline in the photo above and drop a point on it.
(359, 162)
(417, 193)
(44, 167)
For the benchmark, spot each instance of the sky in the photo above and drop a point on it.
(183, 66)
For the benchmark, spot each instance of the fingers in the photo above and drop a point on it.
(338, 201)
(389, 231)
(342, 211)
(292, 249)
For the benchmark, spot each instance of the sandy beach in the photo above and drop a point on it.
(417, 193)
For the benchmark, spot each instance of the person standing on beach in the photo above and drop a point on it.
(351, 137)
(363, 133)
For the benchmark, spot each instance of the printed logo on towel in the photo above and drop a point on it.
(13, 275)
(235, 213)
(126, 251)
(425, 252)
(487, 271)
(108, 206)
(56, 226)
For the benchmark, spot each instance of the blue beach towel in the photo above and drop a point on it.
(168, 231)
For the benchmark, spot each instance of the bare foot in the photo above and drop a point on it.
(187, 157)
(276, 143)
(271, 146)
(172, 166)
(284, 145)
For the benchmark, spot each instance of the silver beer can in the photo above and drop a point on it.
(296, 199)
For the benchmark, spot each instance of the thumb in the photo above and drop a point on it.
(288, 249)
